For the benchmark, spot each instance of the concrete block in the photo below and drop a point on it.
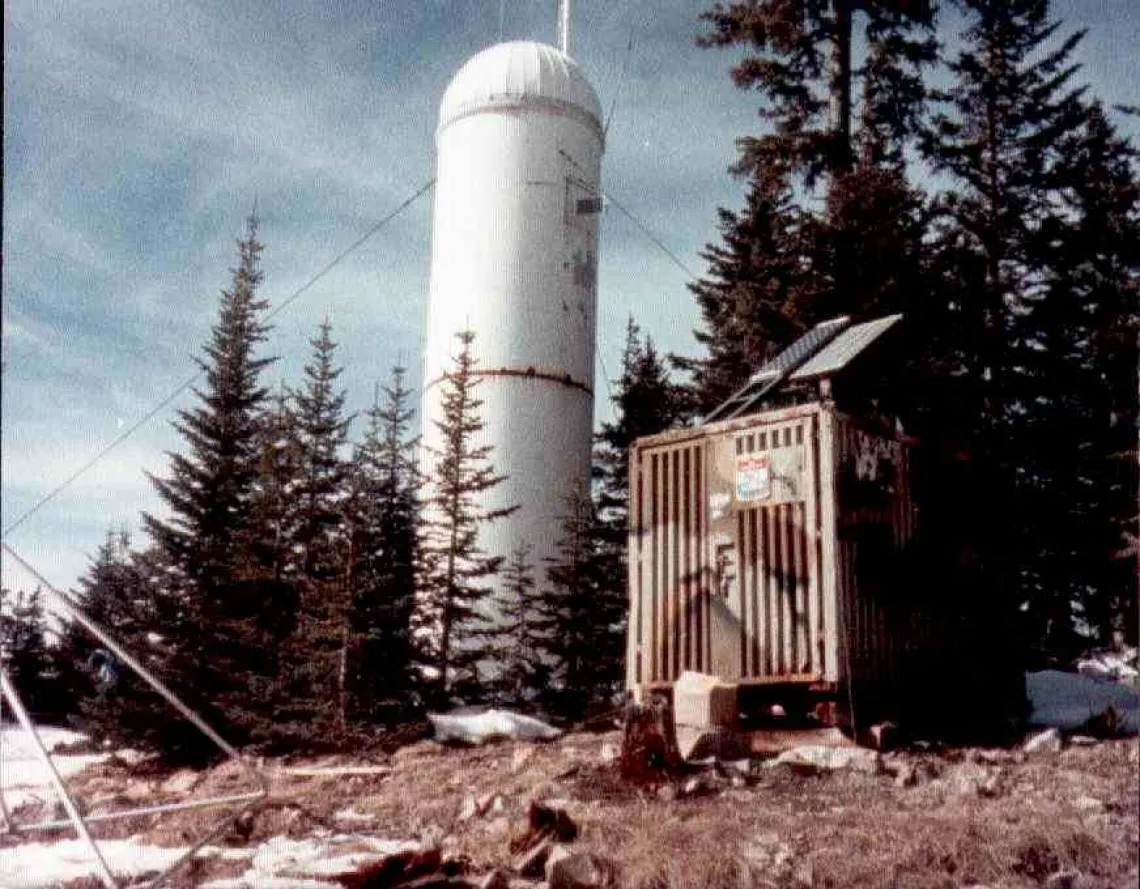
(703, 700)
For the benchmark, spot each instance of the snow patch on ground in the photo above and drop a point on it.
(1115, 666)
(45, 865)
(1068, 700)
(283, 863)
(23, 776)
(493, 725)
(264, 881)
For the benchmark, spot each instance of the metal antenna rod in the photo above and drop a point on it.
(565, 25)
(8, 692)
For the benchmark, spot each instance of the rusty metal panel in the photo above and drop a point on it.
(666, 571)
(729, 553)
(748, 539)
(875, 520)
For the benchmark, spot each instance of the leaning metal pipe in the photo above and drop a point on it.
(13, 699)
(72, 610)
(160, 809)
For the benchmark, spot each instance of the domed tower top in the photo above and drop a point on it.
(520, 74)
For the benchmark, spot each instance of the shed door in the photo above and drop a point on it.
(763, 530)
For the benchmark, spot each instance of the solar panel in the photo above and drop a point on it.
(774, 372)
(802, 349)
(842, 350)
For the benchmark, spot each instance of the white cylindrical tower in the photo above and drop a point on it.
(514, 259)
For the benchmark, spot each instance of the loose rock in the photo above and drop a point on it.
(496, 879)
(1063, 879)
(828, 759)
(532, 862)
(520, 757)
(469, 809)
(581, 870)
(180, 782)
(1048, 741)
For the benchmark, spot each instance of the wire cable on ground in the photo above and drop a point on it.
(149, 415)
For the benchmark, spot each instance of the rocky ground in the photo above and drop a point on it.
(512, 813)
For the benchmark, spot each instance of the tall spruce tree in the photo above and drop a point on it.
(822, 107)
(454, 571)
(795, 255)
(315, 660)
(1010, 108)
(645, 402)
(1079, 447)
(213, 606)
(385, 523)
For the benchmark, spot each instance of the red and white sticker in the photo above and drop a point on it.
(753, 477)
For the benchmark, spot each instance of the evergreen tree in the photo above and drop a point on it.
(24, 652)
(116, 593)
(746, 299)
(315, 659)
(522, 636)
(385, 522)
(792, 257)
(645, 402)
(273, 528)
(1011, 107)
(1079, 446)
(273, 532)
(454, 571)
(586, 646)
(210, 594)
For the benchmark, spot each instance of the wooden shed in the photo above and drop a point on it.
(766, 544)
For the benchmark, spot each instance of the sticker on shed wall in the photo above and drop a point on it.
(753, 477)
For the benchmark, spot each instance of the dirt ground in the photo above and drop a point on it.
(952, 818)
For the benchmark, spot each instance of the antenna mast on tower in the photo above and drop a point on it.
(565, 15)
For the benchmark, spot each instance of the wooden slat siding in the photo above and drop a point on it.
(632, 587)
(648, 575)
(668, 597)
(742, 591)
(828, 555)
(784, 574)
(792, 587)
(755, 594)
(674, 586)
(764, 593)
(745, 568)
(686, 615)
(664, 555)
(693, 582)
(660, 639)
(811, 543)
(705, 557)
(803, 615)
(649, 541)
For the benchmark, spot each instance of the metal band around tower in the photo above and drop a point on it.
(530, 373)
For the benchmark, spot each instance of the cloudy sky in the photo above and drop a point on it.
(138, 135)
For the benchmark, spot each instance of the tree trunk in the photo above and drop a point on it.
(841, 84)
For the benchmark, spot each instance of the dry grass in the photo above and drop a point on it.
(1076, 809)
